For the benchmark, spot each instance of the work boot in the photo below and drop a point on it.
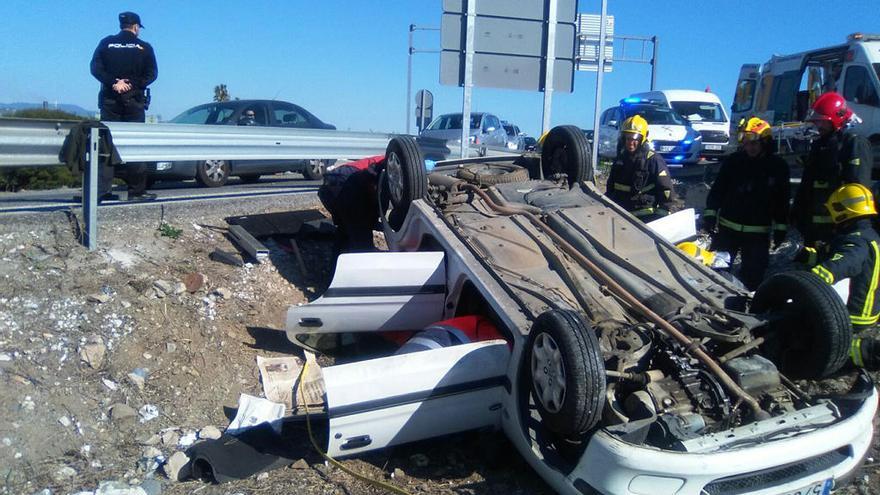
(865, 353)
(142, 197)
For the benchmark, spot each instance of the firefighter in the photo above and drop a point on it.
(836, 157)
(748, 203)
(854, 253)
(639, 181)
(125, 66)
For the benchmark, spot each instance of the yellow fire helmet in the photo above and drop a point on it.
(752, 129)
(850, 201)
(704, 256)
(636, 125)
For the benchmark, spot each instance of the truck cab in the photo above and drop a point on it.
(783, 89)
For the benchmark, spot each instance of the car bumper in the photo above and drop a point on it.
(677, 158)
(610, 465)
(710, 152)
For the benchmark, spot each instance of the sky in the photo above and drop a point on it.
(346, 61)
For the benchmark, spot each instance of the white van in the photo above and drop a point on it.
(705, 113)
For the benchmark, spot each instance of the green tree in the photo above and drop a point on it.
(39, 177)
(220, 93)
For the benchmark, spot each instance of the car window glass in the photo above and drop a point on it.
(510, 130)
(216, 113)
(475, 121)
(858, 86)
(655, 115)
(699, 110)
(289, 116)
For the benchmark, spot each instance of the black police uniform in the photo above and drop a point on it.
(639, 182)
(124, 56)
(749, 201)
(837, 159)
(350, 194)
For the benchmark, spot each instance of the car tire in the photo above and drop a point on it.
(405, 177)
(566, 372)
(566, 150)
(490, 173)
(249, 178)
(212, 173)
(314, 169)
(811, 339)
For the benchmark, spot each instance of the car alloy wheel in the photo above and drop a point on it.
(548, 373)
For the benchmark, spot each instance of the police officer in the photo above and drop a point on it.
(836, 157)
(854, 253)
(125, 66)
(749, 201)
(639, 181)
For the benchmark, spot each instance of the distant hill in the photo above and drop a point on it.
(74, 109)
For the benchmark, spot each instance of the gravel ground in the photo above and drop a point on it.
(88, 340)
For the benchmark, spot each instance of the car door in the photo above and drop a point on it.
(500, 133)
(861, 93)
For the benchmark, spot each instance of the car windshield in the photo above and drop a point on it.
(654, 115)
(699, 111)
(213, 113)
(453, 121)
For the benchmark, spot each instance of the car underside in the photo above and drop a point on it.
(626, 366)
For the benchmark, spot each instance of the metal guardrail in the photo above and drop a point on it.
(30, 142)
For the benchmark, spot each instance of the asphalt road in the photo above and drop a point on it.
(167, 192)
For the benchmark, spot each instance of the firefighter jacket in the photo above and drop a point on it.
(833, 161)
(854, 253)
(124, 56)
(750, 194)
(640, 183)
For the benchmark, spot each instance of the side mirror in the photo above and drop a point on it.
(490, 129)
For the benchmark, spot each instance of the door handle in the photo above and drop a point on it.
(356, 442)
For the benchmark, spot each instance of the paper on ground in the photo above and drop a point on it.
(280, 380)
(253, 411)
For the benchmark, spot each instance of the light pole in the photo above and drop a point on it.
(411, 50)
(599, 72)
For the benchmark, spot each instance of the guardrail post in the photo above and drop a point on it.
(90, 194)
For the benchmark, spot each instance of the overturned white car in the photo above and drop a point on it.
(625, 366)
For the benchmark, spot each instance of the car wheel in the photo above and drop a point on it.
(567, 151)
(566, 371)
(314, 169)
(405, 177)
(491, 174)
(212, 173)
(810, 333)
(249, 178)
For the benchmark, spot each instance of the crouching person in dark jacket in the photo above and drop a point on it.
(854, 253)
(350, 194)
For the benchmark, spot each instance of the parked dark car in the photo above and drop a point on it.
(271, 113)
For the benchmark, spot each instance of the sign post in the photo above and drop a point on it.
(424, 109)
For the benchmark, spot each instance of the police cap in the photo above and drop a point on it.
(129, 18)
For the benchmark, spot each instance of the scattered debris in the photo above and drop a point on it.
(177, 467)
(65, 421)
(226, 257)
(163, 286)
(170, 437)
(194, 281)
(209, 432)
(253, 411)
(64, 473)
(148, 412)
(138, 377)
(120, 412)
(99, 298)
(118, 488)
(93, 352)
(300, 464)
(223, 293)
(188, 438)
(110, 384)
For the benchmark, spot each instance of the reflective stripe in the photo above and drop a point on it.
(643, 212)
(868, 309)
(662, 212)
(855, 353)
(647, 188)
(662, 174)
(824, 274)
(812, 256)
(821, 219)
(780, 226)
(622, 187)
(709, 213)
(818, 184)
(738, 227)
(856, 161)
(864, 321)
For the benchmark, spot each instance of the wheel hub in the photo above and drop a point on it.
(394, 170)
(214, 169)
(548, 373)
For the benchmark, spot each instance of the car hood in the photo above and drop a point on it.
(667, 132)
